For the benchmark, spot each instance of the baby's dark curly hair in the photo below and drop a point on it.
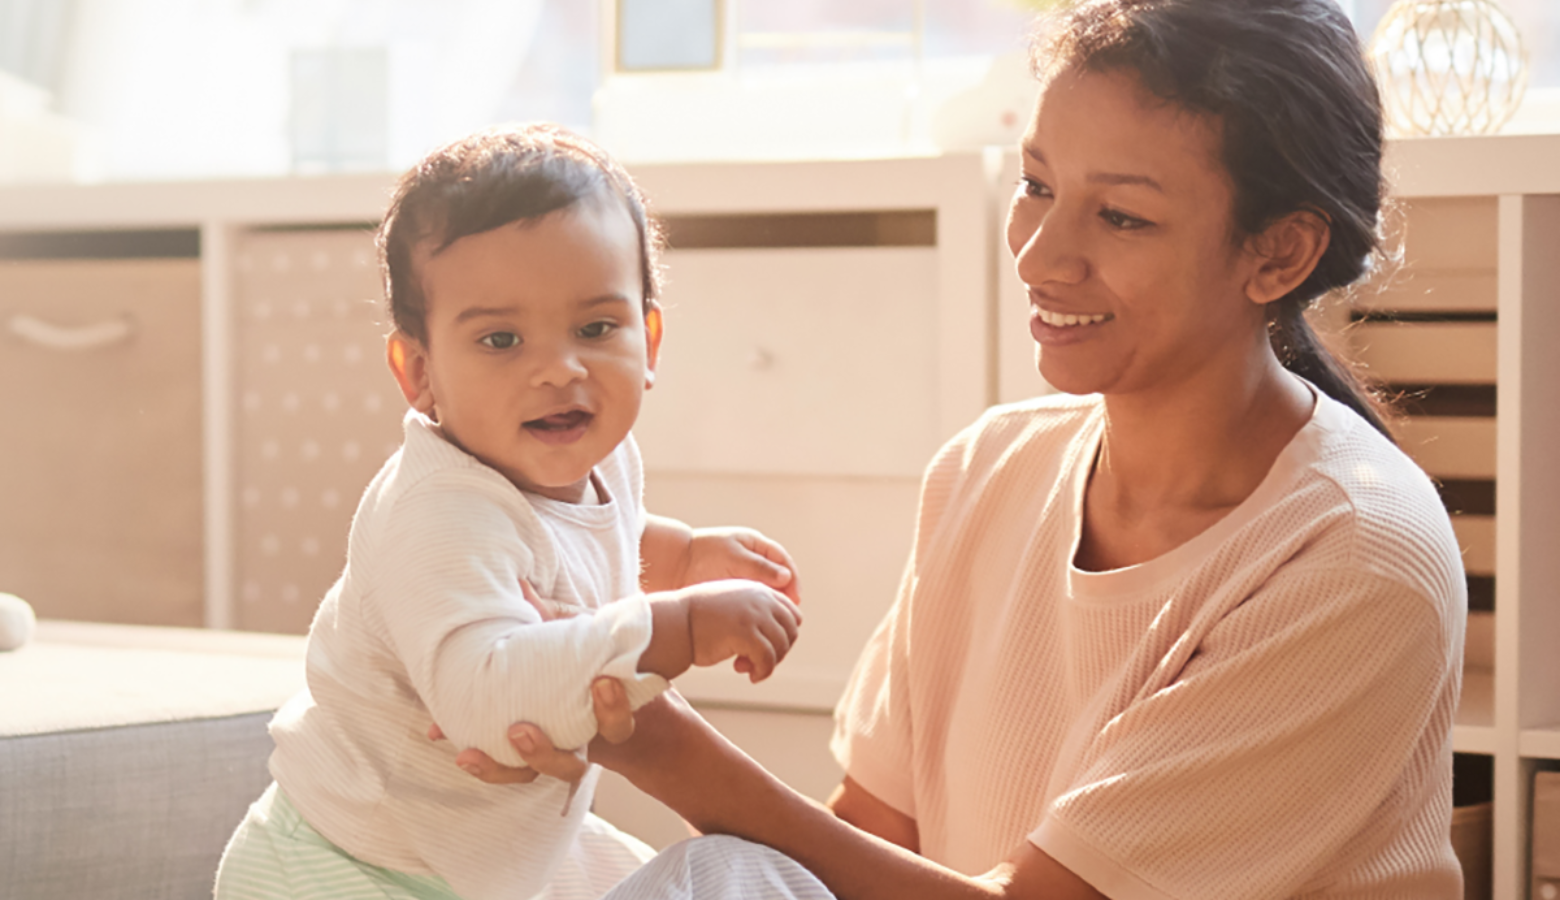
(490, 179)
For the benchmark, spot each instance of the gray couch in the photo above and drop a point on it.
(128, 754)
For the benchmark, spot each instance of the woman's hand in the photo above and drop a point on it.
(614, 721)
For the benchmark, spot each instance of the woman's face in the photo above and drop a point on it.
(1122, 231)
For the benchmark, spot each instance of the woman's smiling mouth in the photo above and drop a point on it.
(1054, 329)
(1069, 320)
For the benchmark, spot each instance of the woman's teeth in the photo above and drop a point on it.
(1065, 320)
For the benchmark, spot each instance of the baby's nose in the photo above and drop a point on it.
(557, 364)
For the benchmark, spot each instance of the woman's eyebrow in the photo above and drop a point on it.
(1123, 178)
(1110, 178)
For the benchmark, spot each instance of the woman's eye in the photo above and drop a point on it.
(1122, 221)
(501, 340)
(597, 329)
(1033, 187)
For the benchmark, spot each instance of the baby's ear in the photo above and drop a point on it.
(654, 326)
(408, 360)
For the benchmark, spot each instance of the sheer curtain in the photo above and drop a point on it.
(32, 39)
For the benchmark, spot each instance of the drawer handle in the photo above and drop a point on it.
(57, 337)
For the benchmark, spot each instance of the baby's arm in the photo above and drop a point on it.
(449, 601)
(443, 591)
(708, 623)
(481, 678)
(674, 555)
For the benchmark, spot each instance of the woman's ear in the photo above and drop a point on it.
(408, 360)
(653, 329)
(1287, 252)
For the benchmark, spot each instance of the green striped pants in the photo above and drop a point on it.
(275, 854)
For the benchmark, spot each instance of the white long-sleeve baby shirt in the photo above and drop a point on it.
(428, 623)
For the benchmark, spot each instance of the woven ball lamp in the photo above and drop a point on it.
(1448, 67)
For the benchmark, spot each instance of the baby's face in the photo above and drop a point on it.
(538, 351)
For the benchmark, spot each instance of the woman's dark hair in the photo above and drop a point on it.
(488, 180)
(1301, 122)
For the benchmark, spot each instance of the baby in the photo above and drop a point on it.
(521, 272)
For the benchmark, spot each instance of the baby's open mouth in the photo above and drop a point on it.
(566, 421)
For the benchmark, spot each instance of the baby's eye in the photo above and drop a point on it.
(501, 340)
(1123, 222)
(598, 329)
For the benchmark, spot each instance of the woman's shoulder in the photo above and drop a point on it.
(1394, 520)
(1015, 447)
(1051, 418)
(1010, 432)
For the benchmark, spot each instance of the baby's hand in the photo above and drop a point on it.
(720, 553)
(742, 619)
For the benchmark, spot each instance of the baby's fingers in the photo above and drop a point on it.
(614, 719)
(748, 563)
(777, 565)
(763, 654)
(789, 617)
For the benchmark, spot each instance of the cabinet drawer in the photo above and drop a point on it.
(818, 361)
(317, 414)
(101, 481)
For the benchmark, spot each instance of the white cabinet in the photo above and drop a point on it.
(238, 341)
(1482, 289)
(826, 331)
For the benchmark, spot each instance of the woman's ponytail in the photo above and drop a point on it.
(1302, 351)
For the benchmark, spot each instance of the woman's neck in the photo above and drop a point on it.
(1174, 462)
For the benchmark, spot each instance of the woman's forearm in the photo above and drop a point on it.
(678, 758)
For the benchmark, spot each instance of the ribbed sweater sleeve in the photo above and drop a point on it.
(447, 599)
(874, 725)
(1271, 752)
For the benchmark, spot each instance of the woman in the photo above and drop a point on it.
(1193, 628)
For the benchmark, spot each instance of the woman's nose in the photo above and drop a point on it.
(1046, 249)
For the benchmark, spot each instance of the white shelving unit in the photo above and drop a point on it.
(1512, 710)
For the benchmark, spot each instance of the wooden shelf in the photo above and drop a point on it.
(1474, 166)
(1540, 743)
